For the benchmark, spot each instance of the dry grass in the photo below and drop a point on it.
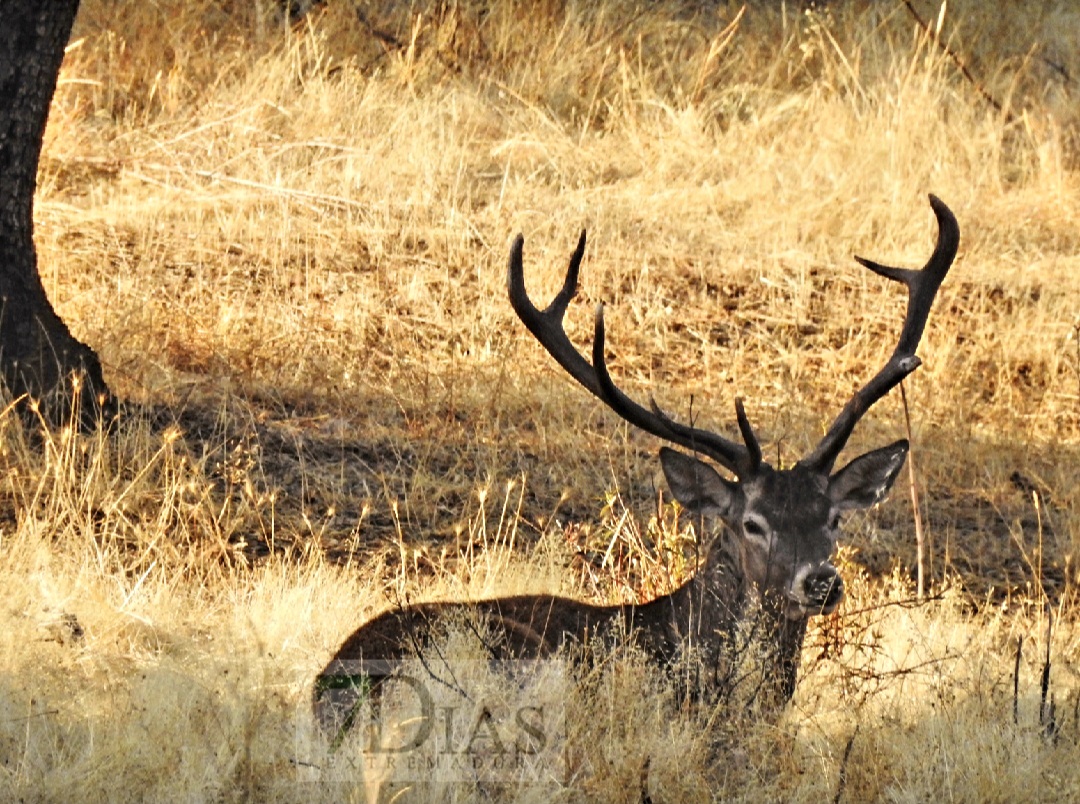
(288, 248)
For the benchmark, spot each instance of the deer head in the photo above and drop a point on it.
(785, 521)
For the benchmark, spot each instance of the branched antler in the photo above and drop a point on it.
(744, 460)
(922, 287)
(547, 327)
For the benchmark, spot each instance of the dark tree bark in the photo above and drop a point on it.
(39, 357)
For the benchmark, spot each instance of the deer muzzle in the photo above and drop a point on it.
(816, 590)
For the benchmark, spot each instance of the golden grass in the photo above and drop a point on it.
(288, 248)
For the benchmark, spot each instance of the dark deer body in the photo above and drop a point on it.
(776, 547)
(535, 626)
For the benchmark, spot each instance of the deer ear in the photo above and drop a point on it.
(867, 479)
(696, 485)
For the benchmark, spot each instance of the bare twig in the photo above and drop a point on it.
(1076, 717)
(932, 32)
(1047, 713)
(842, 782)
(914, 489)
(1016, 680)
(1076, 337)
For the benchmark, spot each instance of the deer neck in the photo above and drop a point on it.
(710, 602)
(704, 614)
(717, 594)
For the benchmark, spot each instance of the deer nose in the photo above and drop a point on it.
(823, 589)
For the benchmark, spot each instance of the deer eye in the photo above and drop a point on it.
(754, 528)
(834, 521)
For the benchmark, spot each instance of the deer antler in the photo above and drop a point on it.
(547, 327)
(922, 287)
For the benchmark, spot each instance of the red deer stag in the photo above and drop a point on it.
(776, 547)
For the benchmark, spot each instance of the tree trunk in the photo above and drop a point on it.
(39, 358)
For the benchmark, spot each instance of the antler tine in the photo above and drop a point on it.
(922, 288)
(753, 448)
(547, 328)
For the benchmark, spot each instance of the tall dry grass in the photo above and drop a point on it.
(288, 247)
